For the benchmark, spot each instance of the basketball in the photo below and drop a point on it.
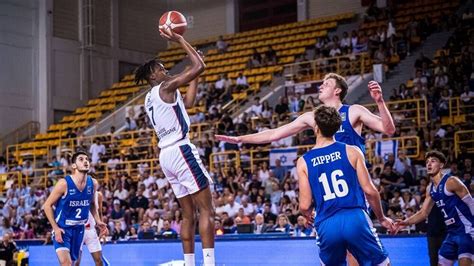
(174, 20)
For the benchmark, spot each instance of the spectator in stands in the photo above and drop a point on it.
(117, 232)
(467, 97)
(3, 166)
(301, 228)
(95, 149)
(117, 214)
(8, 249)
(241, 83)
(271, 56)
(402, 165)
(335, 51)
(221, 45)
(232, 207)
(390, 178)
(176, 221)
(27, 169)
(279, 170)
(267, 111)
(268, 215)
(256, 108)
(138, 205)
(223, 83)
(283, 224)
(130, 124)
(260, 226)
(146, 231)
(167, 231)
(255, 60)
(345, 42)
(282, 107)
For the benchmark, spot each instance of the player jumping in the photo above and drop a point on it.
(179, 158)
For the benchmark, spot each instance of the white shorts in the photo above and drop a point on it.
(91, 240)
(183, 168)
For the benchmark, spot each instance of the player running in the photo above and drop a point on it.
(72, 198)
(179, 158)
(334, 176)
(452, 197)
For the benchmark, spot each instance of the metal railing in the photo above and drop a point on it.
(248, 158)
(345, 65)
(460, 110)
(464, 138)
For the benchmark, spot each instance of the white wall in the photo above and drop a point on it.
(324, 8)
(18, 53)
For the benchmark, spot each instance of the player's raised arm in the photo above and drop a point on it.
(384, 122)
(190, 96)
(305, 197)
(303, 122)
(58, 191)
(372, 195)
(197, 64)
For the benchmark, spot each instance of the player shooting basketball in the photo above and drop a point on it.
(179, 158)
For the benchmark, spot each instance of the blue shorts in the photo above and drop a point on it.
(72, 241)
(457, 246)
(349, 229)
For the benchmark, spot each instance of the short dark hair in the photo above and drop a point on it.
(328, 120)
(340, 83)
(143, 72)
(436, 154)
(77, 153)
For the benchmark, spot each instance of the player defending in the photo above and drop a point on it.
(332, 93)
(452, 197)
(179, 158)
(72, 197)
(334, 175)
(91, 239)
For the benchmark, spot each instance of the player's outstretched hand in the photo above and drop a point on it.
(375, 91)
(228, 139)
(399, 224)
(388, 223)
(103, 231)
(58, 234)
(170, 35)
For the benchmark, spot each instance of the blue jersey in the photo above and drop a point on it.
(73, 208)
(346, 133)
(333, 181)
(456, 213)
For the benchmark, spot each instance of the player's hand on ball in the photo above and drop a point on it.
(228, 139)
(375, 91)
(58, 235)
(168, 34)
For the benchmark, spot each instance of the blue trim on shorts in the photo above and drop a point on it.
(181, 120)
(194, 167)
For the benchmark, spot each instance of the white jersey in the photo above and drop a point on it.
(170, 120)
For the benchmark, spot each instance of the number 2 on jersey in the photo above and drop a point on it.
(338, 185)
(78, 213)
(152, 115)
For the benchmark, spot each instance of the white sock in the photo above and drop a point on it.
(208, 255)
(189, 259)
